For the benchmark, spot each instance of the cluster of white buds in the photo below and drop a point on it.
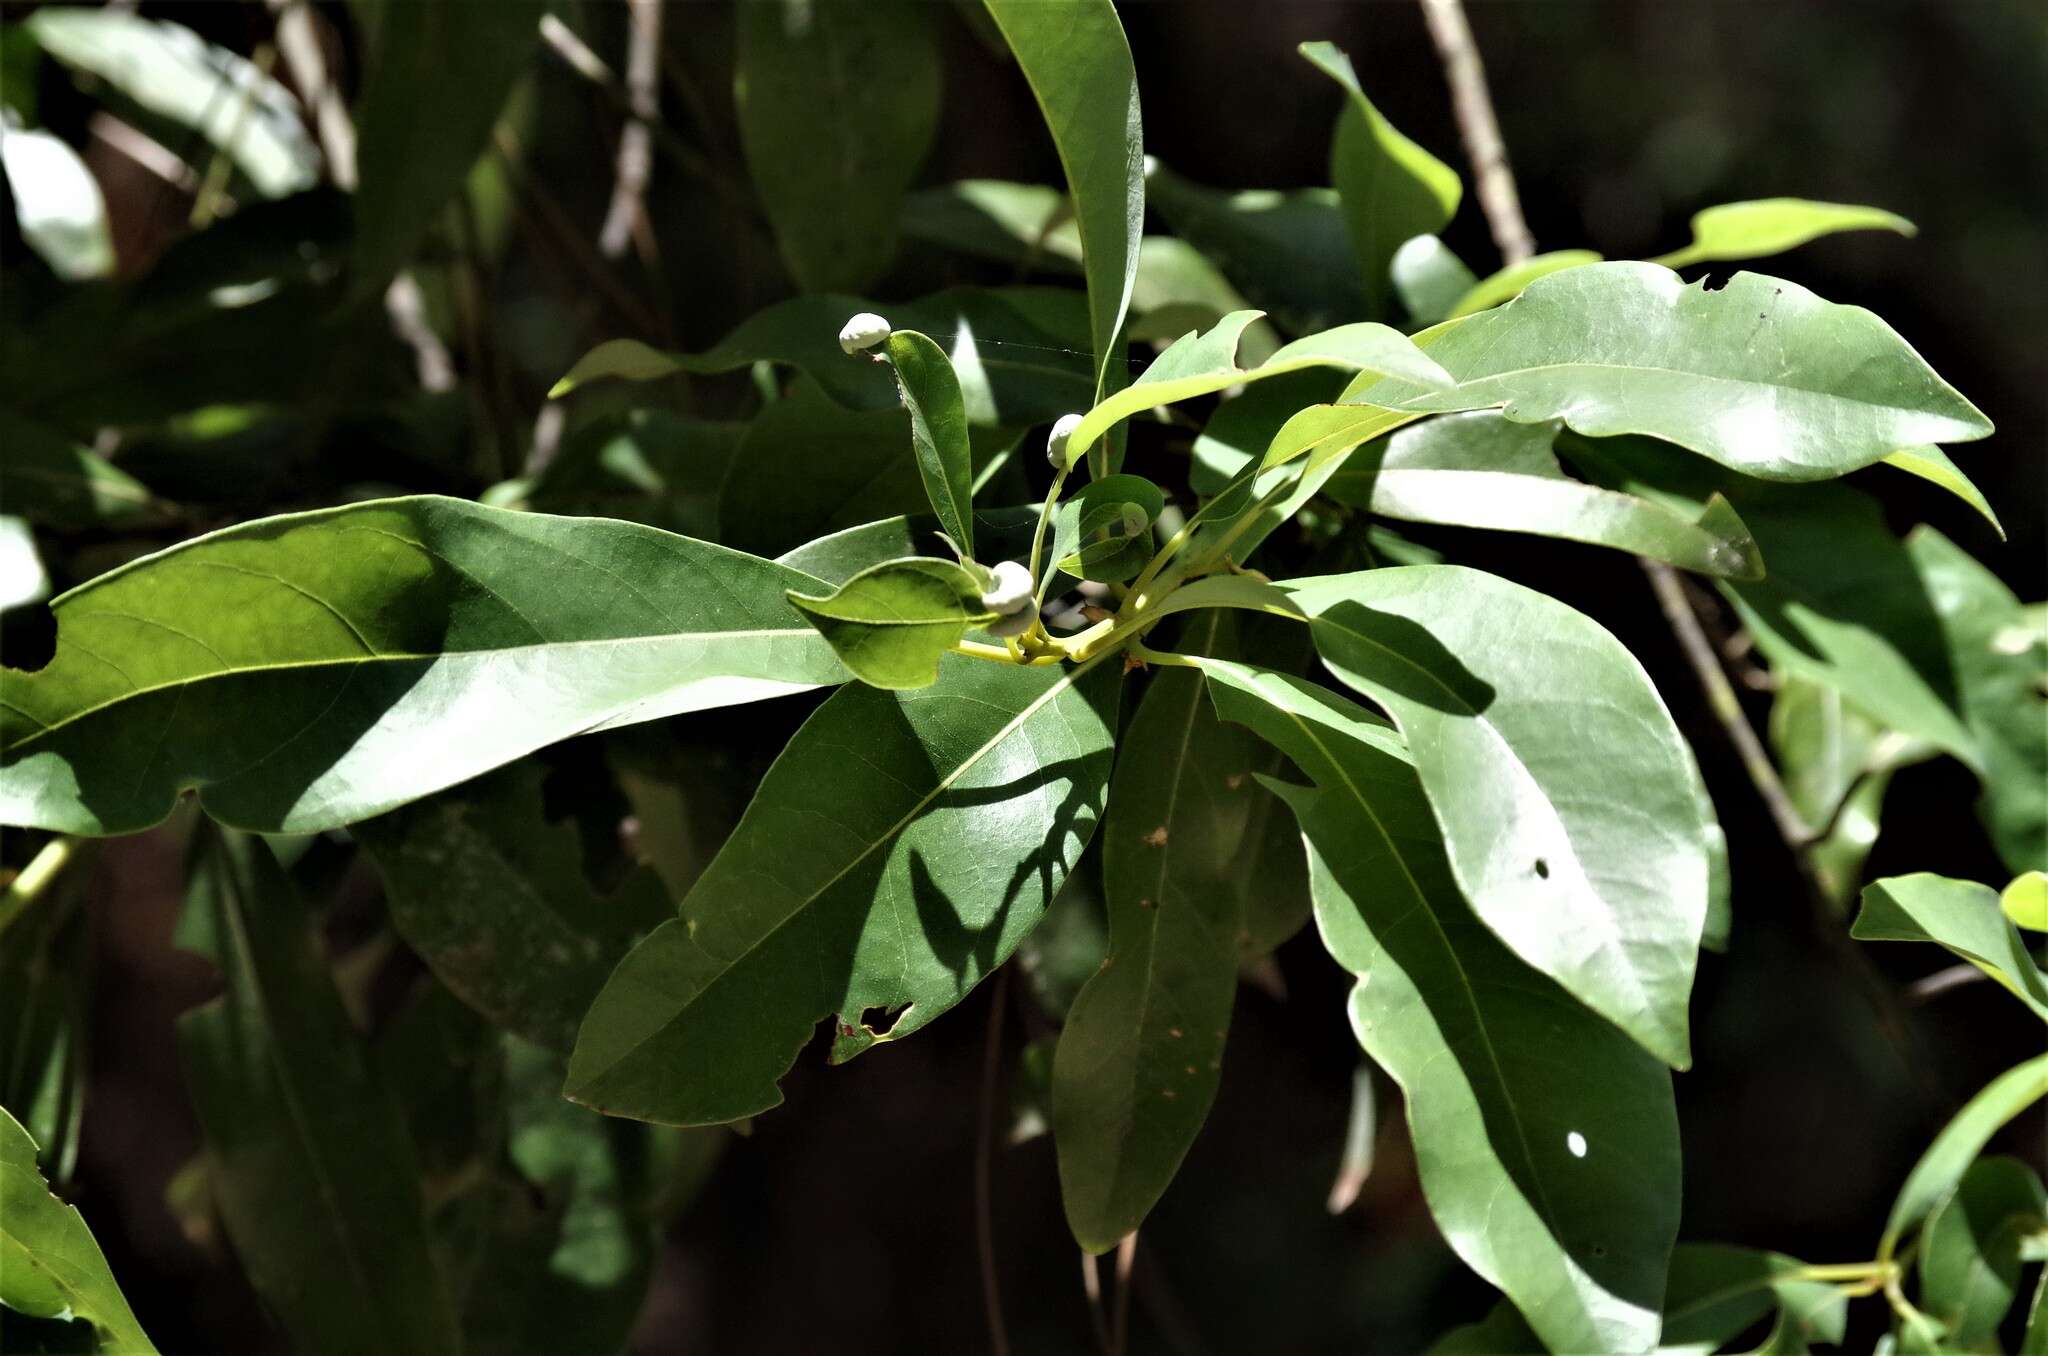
(865, 331)
(1009, 597)
(1056, 441)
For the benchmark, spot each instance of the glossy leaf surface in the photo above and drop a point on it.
(1429, 278)
(1556, 1180)
(894, 855)
(290, 668)
(1751, 230)
(1760, 375)
(1961, 915)
(1289, 253)
(1593, 871)
(1391, 188)
(891, 623)
(309, 1158)
(938, 432)
(837, 104)
(1508, 283)
(50, 1267)
(1079, 65)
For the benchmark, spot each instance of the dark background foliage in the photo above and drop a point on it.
(845, 1219)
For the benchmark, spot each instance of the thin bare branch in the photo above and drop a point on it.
(636, 152)
(1493, 179)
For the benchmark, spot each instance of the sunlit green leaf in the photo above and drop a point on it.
(1933, 465)
(1958, 1144)
(1105, 531)
(1751, 230)
(1555, 1179)
(1510, 282)
(1392, 189)
(1428, 278)
(837, 104)
(1837, 764)
(1970, 1249)
(57, 202)
(938, 432)
(1961, 915)
(1005, 533)
(891, 623)
(880, 886)
(1079, 65)
(289, 669)
(1289, 253)
(53, 1268)
(309, 1159)
(2025, 901)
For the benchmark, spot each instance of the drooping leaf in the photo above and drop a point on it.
(938, 432)
(57, 203)
(1138, 1060)
(308, 1155)
(434, 80)
(1392, 189)
(1594, 871)
(174, 74)
(1959, 1143)
(1289, 253)
(1716, 1292)
(895, 880)
(1960, 915)
(1079, 65)
(1760, 375)
(1508, 283)
(1970, 1249)
(1555, 1179)
(494, 899)
(1752, 230)
(1998, 654)
(1935, 467)
(1478, 469)
(837, 105)
(1843, 603)
(1198, 364)
(1428, 278)
(1020, 352)
(290, 668)
(891, 623)
(1836, 763)
(50, 1267)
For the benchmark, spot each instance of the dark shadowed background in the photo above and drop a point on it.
(844, 1220)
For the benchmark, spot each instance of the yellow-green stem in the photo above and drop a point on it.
(35, 878)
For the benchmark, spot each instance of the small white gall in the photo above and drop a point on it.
(1016, 624)
(1011, 590)
(1056, 441)
(863, 332)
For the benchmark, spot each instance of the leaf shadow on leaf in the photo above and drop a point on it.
(1407, 658)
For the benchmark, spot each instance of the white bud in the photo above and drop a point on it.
(1016, 624)
(1056, 441)
(863, 332)
(1010, 591)
(1134, 520)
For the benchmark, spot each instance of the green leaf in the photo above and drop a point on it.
(646, 466)
(1289, 253)
(435, 78)
(1961, 915)
(1970, 1249)
(1105, 531)
(51, 480)
(1998, 653)
(1716, 1292)
(1837, 764)
(1478, 469)
(1843, 603)
(53, 1268)
(938, 432)
(1932, 465)
(1079, 65)
(57, 203)
(1004, 533)
(1958, 1144)
(1503, 1332)
(172, 73)
(1177, 287)
(1392, 189)
(896, 881)
(45, 1006)
(1199, 364)
(309, 1158)
(1024, 225)
(1508, 283)
(289, 668)
(1555, 1178)
(1019, 351)
(494, 899)
(1428, 278)
(1760, 375)
(837, 105)
(1594, 871)
(1751, 230)
(1244, 426)
(2025, 901)
(1138, 1061)
(893, 622)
